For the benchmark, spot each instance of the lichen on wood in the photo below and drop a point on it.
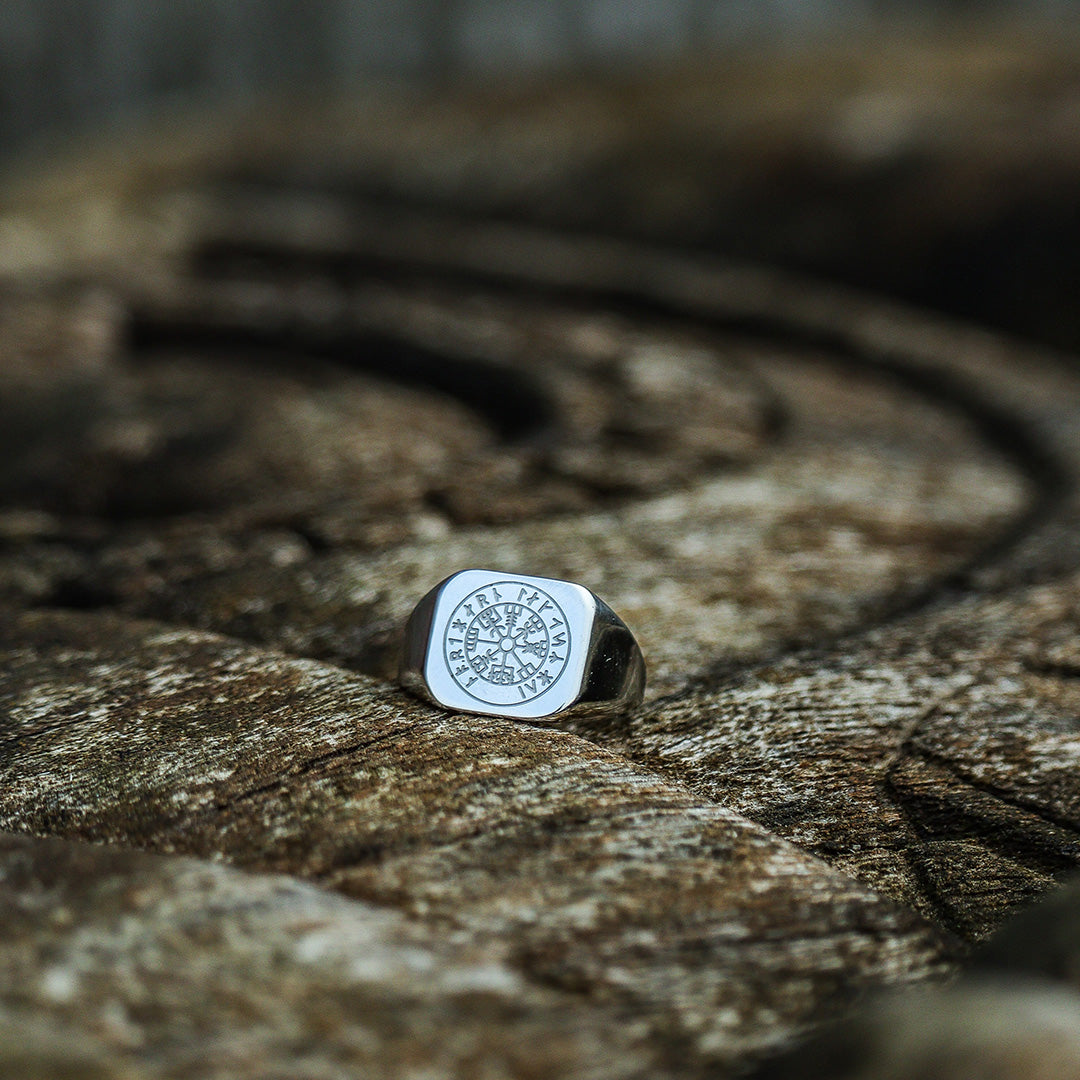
(241, 439)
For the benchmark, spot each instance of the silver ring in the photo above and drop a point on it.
(530, 648)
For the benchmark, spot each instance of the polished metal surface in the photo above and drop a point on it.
(526, 647)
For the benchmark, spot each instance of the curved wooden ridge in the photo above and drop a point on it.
(234, 453)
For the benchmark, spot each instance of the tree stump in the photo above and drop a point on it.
(252, 414)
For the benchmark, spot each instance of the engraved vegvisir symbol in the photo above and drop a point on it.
(506, 642)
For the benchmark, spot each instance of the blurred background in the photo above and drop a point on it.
(929, 150)
(68, 63)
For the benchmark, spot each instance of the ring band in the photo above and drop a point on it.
(525, 647)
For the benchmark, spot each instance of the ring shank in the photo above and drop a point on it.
(612, 675)
(614, 669)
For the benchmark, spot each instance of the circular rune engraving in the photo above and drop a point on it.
(506, 642)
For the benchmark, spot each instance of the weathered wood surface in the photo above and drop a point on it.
(243, 431)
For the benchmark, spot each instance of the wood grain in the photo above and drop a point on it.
(245, 429)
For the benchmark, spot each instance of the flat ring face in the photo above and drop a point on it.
(506, 643)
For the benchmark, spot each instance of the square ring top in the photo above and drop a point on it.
(508, 644)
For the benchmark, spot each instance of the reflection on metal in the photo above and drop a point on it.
(525, 647)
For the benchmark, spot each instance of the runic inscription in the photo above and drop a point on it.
(506, 642)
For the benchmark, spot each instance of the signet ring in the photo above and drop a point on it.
(514, 645)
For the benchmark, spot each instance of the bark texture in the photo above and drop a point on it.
(247, 423)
